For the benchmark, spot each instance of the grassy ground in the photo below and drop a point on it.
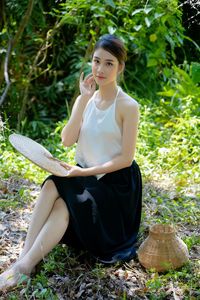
(65, 274)
(170, 195)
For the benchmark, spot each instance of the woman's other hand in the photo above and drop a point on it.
(87, 85)
(72, 170)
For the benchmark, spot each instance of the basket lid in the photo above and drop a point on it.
(37, 154)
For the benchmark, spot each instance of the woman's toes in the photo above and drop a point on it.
(11, 278)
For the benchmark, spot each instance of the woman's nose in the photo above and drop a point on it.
(100, 68)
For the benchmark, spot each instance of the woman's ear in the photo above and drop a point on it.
(121, 68)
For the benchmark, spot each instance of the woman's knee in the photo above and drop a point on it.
(49, 187)
(62, 208)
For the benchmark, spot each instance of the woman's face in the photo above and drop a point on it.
(105, 67)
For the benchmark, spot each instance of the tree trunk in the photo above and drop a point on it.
(12, 44)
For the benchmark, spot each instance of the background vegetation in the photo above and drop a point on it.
(44, 60)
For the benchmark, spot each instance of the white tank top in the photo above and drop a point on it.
(100, 138)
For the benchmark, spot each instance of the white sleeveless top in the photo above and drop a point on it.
(100, 138)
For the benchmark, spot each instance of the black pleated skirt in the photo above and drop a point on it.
(105, 214)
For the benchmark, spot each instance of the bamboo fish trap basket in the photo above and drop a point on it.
(163, 249)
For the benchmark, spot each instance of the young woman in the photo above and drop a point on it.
(97, 206)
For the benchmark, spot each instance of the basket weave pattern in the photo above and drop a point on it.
(163, 249)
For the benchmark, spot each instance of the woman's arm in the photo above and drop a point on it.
(71, 130)
(130, 117)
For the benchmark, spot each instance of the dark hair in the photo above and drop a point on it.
(112, 44)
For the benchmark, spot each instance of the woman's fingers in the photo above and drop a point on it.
(87, 85)
(88, 77)
(90, 81)
(65, 165)
(93, 84)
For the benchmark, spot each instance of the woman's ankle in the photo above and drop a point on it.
(24, 266)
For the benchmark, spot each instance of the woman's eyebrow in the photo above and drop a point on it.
(105, 59)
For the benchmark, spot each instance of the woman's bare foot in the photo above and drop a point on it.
(13, 276)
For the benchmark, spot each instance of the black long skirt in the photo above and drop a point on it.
(105, 214)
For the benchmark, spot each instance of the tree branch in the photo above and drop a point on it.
(11, 44)
(47, 43)
(24, 22)
(6, 76)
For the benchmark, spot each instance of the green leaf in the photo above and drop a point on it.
(137, 27)
(152, 62)
(137, 11)
(157, 15)
(110, 3)
(167, 93)
(195, 72)
(147, 10)
(147, 21)
(111, 29)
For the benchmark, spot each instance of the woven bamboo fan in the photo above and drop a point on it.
(37, 154)
(163, 249)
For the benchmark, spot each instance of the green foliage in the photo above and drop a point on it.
(173, 128)
(183, 278)
(38, 289)
(151, 33)
(192, 241)
(46, 63)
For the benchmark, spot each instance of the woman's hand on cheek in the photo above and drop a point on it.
(73, 171)
(87, 85)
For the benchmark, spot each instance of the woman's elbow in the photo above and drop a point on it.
(65, 139)
(69, 141)
(66, 143)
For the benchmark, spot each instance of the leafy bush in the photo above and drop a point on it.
(56, 46)
(168, 134)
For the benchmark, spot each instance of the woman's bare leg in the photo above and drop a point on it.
(41, 212)
(48, 237)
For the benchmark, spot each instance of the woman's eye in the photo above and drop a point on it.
(96, 61)
(109, 64)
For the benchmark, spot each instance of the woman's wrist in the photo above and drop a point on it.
(84, 98)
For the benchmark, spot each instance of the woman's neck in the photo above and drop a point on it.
(108, 92)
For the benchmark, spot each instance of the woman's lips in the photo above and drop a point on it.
(100, 77)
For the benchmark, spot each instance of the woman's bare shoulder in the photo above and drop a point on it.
(125, 101)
